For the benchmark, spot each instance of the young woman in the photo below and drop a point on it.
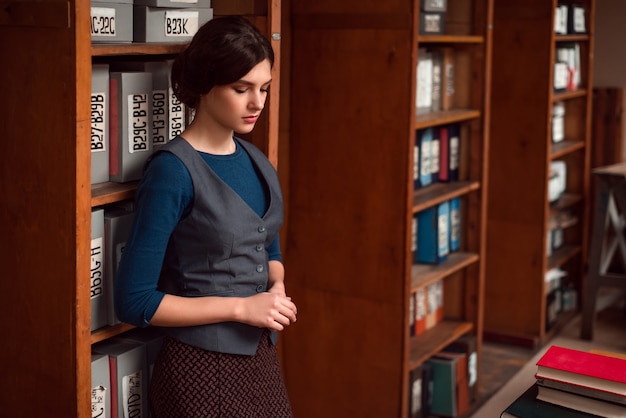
(203, 260)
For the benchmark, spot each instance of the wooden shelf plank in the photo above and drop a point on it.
(431, 341)
(560, 149)
(563, 255)
(567, 200)
(109, 192)
(440, 192)
(445, 117)
(103, 50)
(568, 95)
(583, 37)
(424, 274)
(451, 39)
(108, 332)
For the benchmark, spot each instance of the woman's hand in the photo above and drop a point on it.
(268, 310)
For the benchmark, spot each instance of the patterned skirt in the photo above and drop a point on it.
(189, 382)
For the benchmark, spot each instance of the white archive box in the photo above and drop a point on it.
(112, 21)
(159, 24)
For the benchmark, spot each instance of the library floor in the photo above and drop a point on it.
(501, 362)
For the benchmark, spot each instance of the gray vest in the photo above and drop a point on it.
(219, 249)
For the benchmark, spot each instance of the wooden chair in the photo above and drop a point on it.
(608, 242)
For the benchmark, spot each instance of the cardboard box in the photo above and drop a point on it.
(111, 22)
(156, 24)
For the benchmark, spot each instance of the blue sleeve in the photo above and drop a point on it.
(274, 250)
(162, 199)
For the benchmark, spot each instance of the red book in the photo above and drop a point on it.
(581, 368)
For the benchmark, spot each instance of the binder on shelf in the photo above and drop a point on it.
(558, 180)
(560, 19)
(424, 141)
(416, 162)
(97, 285)
(573, 67)
(437, 80)
(416, 385)
(576, 19)
(169, 115)
(445, 399)
(99, 123)
(130, 124)
(414, 237)
(444, 153)
(467, 344)
(412, 298)
(151, 338)
(420, 311)
(454, 151)
(434, 5)
(129, 384)
(424, 82)
(461, 385)
(100, 386)
(567, 67)
(432, 239)
(560, 76)
(176, 111)
(448, 77)
(427, 389)
(455, 224)
(558, 122)
(433, 304)
(431, 23)
(438, 286)
(161, 83)
(434, 155)
(117, 223)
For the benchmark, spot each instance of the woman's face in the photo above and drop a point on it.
(237, 106)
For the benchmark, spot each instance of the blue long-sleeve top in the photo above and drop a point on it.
(164, 196)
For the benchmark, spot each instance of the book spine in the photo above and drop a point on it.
(444, 152)
(99, 123)
(455, 224)
(454, 151)
(114, 134)
(134, 110)
(97, 288)
(425, 148)
(434, 155)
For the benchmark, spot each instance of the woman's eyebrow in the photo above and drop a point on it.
(250, 83)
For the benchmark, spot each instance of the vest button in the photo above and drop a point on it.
(260, 288)
(259, 268)
(261, 228)
(259, 247)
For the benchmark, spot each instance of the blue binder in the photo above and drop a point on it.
(455, 224)
(433, 236)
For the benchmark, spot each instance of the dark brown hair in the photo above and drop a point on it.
(222, 51)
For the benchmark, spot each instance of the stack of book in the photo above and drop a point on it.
(574, 383)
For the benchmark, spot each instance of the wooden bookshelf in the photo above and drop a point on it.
(47, 195)
(518, 258)
(351, 200)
